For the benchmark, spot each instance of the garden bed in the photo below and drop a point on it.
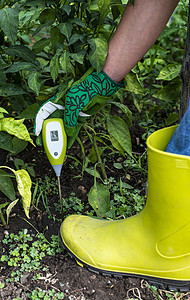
(56, 275)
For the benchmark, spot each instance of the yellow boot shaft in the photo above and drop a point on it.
(154, 243)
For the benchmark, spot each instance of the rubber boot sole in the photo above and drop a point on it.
(160, 283)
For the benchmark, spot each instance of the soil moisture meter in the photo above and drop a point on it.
(55, 143)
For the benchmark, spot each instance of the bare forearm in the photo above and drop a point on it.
(137, 31)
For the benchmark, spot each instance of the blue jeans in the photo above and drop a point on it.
(180, 141)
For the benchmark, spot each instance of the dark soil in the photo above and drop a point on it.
(63, 274)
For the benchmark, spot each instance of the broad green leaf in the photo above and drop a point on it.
(56, 37)
(6, 185)
(2, 78)
(24, 187)
(78, 22)
(171, 91)
(34, 82)
(67, 9)
(10, 207)
(104, 7)
(99, 199)
(72, 133)
(169, 72)
(98, 52)
(40, 45)
(3, 205)
(65, 63)
(117, 145)
(9, 22)
(119, 130)
(47, 16)
(66, 29)
(94, 106)
(126, 110)
(16, 128)
(75, 38)
(133, 85)
(92, 155)
(19, 66)
(10, 89)
(3, 65)
(79, 56)
(172, 118)
(54, 67)
(18, 145)
(2, 110)
(30, 112)
(93, 173)
(21, 51)
(6, 141)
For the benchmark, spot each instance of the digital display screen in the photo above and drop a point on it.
(54, 135)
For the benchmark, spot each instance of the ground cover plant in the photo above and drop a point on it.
(45, 47)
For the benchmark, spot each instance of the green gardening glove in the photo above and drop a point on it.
(80, 95)
(77, 98)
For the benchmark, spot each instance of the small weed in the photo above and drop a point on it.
(72, 203)
(46, 295)
(27, 253)
(42, 189)
(126, 201)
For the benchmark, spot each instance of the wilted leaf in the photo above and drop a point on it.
(24, 187)
(10, 207)
(16, 128)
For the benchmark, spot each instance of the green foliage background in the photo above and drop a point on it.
(48, 46)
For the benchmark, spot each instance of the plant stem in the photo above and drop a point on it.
(97, 151)
(2, 218)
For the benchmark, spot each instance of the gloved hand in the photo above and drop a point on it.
(77, 98)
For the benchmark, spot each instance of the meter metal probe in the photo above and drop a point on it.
(55, 144)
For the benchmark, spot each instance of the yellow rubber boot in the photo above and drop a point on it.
(155, 244)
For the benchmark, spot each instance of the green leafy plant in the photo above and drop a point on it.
(46, 295)
(26, 252)
(24, 187)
